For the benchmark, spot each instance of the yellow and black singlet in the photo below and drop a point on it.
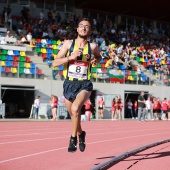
(78, 69)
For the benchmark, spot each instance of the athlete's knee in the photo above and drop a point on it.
(75, 110)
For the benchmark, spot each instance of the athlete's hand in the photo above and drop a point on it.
(93, 61)
(75, 54)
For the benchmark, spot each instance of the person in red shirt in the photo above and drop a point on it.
(165, 106)
(154, 104)
(101, 104)
(54, 103)
(88, 112)
(120, 107)
(113, 109)
(159, 108)
(135, 108)
(169, 109)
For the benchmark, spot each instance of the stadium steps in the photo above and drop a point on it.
(155, 81)
(40, 64)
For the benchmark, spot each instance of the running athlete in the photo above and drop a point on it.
(76, 55)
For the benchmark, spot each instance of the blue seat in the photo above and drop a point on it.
(49, 50)
(2, 70)
(48, 55)
(8, 63)
(122, 67)
(61, 67)
(16, 52)
(32, 71)
(102, 61)
(144, 78)
(9, 58)
(38, 45)
(49, 42)
(33, 65)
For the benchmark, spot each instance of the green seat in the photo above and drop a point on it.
(21, 70)
(3, 58)
(98, 65)
(22, 59)
(138, 59)
(133, 72)
(93, 70)
(38, 50)
(55, 51)
(54, 42)
(21, 64)
(5, 52)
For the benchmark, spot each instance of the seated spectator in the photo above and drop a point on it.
(8, 34)
(29, 37)
(3, 41)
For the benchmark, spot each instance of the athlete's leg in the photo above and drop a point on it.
(76, 111)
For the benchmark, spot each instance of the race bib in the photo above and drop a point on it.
(77, 69)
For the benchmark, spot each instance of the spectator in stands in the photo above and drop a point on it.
(41, 16)
(29, 37)
(54, 103)
(3, 41)
(141, 107)
(78, 91)
(36, 107)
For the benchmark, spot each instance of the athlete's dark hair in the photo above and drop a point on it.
(86, 19)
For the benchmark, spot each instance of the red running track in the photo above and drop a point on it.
(43, 145)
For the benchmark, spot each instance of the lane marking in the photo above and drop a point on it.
(90, 143)
(34, 140)
(26, 134)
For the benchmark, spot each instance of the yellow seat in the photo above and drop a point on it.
(22, 53)
(54, 47)
(27, 65)
(14, 70)
(163, 62)
(58, 42)
(55, 55)
(43, 50)
(142, 60)
(3, 63)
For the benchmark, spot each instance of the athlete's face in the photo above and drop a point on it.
(84, 29)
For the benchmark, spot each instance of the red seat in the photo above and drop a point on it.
(16, 58)
(38, 40)
(7, 69)
(39, 72)
(28, 60)
(15, 64)
(44, 56)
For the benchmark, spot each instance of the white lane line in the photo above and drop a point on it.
(26, 134)
(115, 126)
(90, 143)
(103, 133)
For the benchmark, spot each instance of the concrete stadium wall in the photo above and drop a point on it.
(47, 87)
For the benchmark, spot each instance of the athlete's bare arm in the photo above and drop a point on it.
(60, 59)
(96, 53)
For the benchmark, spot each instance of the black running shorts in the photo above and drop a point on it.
(72, 88)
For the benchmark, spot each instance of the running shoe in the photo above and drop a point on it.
(82, 144)
(72, 145)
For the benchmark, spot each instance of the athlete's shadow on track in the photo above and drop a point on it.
(152, 156)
